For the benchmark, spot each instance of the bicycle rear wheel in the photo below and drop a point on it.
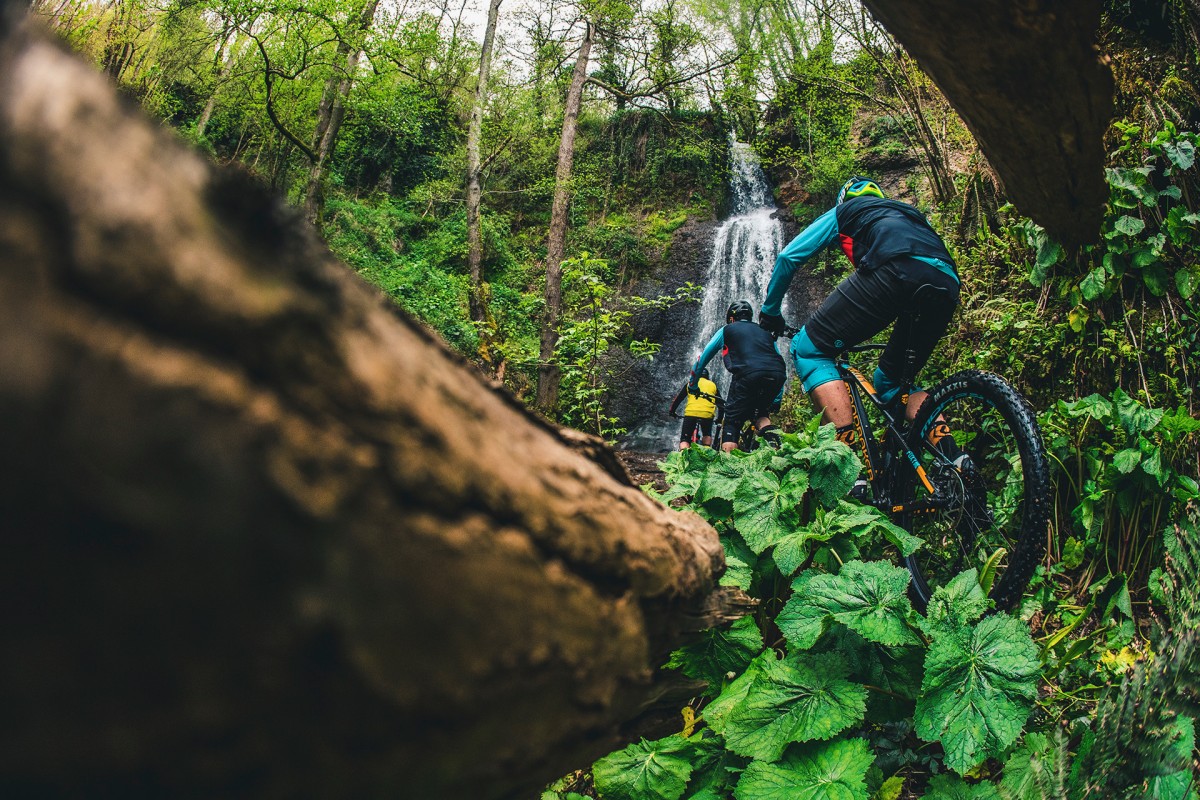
(992, 507)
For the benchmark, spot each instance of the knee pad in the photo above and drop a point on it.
(812, 366)
(888, 389)
(885, 387)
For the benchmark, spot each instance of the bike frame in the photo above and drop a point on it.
(882, 474)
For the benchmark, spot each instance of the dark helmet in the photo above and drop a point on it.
(704, 372)
(739, 310)
(858, 186)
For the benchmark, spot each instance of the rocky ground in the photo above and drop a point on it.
(643, 468)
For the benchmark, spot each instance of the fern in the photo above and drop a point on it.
(1143, 736)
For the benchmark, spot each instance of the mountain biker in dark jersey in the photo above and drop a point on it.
(896, 257)
(758, 373)
(700, 410)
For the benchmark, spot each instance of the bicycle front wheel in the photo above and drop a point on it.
(991, 504)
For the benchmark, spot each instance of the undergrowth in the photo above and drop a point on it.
(836, 689)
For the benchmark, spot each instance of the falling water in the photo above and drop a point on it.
(744, 250)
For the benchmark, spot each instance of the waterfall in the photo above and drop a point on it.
(745, 246)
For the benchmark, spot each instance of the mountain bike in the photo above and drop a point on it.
(983, 501)
(748, 438)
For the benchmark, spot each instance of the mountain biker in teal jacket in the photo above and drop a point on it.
(900, 264)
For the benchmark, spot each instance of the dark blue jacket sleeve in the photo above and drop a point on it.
(822, 232)
(714, 346)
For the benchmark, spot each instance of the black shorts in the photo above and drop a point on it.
(689, 428)
(750, 396)
(867, 302)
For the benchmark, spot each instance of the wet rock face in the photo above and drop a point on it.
(641, 389)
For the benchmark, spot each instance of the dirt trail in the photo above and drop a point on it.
(643, 468)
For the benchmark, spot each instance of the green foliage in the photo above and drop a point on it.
(425, 280)
(1117, 473)
(592, 324)
(1145, 259)
(719, 652)
(952, 787)
(647, 769)
(1143, 736)
(978, 692)
(1037, 769)
(869, 598)
(833, 771)
(805, 722)
(785, 701)
(809, 122)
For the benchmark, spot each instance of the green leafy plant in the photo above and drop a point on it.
(593, 323)
(1118, 478)
(802, 718)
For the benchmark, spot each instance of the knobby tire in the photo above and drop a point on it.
(1025, 532)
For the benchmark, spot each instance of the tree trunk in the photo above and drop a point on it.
(474, 190)
(263, 536)
(226, 54)
(332, 108)
(1029, 81)
(556, 247)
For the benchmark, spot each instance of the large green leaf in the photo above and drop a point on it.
(734, 694)
(1092, 286)
(795, 700)
(844, 521)
(832, 468)
(794, 548)
(1094, 405)
(1036, 769)
(740, 561)
(718, 485)
(1134, 417)
(869, 598)
(1126, 460)
(1187, 280)
(1129, 226)
(1177, 785)
(1157, 279)
(952, 787)
(979, 687)
(719, 652)
(956, 604)
(802, 621)
(764, 506)
(831, 771)
(1181, 152)
(646, 770)
(1049, 252)
(904, 541)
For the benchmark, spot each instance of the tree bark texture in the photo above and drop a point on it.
(556, 245)
(332, 108)
(263, 535)
(474, 187)
(1030, 83)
